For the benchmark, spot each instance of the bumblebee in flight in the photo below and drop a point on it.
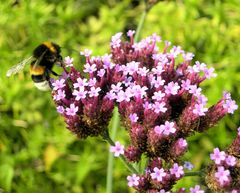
(43, 59)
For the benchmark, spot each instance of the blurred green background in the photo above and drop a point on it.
(37, 153)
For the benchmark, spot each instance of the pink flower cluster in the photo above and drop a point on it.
(159, 180)
(224, 174)
(158, 96)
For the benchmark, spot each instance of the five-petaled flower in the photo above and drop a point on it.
(133, 180)
(118, 149)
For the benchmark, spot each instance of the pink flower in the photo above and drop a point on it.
(196, 189)
(218, 156)
(159, 129)
(163, 191)
(118, 149)
(59, 95)
(209, 73)
(86, 52)
(223, 176)
(158, 174)
(116, 40)
(186, 84)
(177, 170)
(168, 128)
(101, 73)
(80, 94)
(188, 56)
(158, 95)
(60, 109)
(68, 61)
(80, 83)
(231, 160)
(131, 68)
(58, 84)
(159, 107)
(130, 33)
(94, 92)
(72, 110)
(230, 106)
(89, 68)
(172, 88)
(133, 180)
(195, 90)
(133, 117)
(199, 109)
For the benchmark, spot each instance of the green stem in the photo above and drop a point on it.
(198, 173)
(115, 124)
(140, 25)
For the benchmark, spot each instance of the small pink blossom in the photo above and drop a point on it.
(133, 117)
(172, 88)
(89, 68)
(79, 94)
(196, 189)
(218, 156)
(230, 106)
(116, 40)
(130, 33)
(86, 52)
(68, 61)
(199, 109)
(223, 176)
(133, 180)
(168, 128)
(60, 95)
(101, 73)
(60, 109)
(186, 84)
(58, 84)
(188, 56)
(196, 91)
(158, 174)
(131, 68)
(158, 96)
(177, 170)
(159, 107)
(80, 83)
(118, 149)
(72, 110)
(163, 191)
(94, 92)
(209, 73)
(231, 160)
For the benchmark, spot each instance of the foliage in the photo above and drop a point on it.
(37, 153)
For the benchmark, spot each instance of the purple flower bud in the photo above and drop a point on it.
(133, 154)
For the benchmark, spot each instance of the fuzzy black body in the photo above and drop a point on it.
(45, 56)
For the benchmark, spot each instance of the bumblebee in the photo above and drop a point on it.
(42, 61)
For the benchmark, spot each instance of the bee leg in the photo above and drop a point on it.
(54, 73)
(50, 80)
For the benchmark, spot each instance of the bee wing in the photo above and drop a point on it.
(37, 62)
(18, 67)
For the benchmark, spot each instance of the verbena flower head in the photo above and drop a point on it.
(224, 174)
(159, 99)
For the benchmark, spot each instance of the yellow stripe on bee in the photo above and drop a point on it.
(50, 46)
(37, 70)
